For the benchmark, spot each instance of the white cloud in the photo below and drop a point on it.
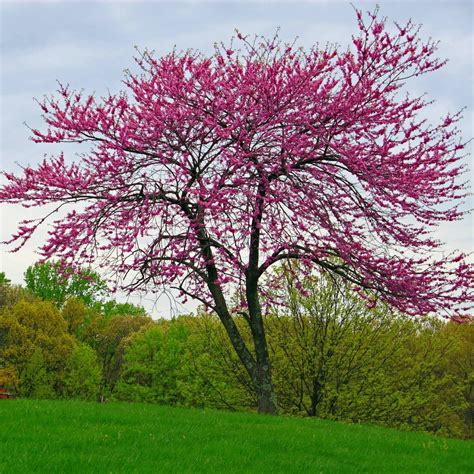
(63, 56)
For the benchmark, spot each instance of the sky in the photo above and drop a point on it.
(90, 44)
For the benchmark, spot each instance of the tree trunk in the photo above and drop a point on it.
(258, 367)
(266, 397)
(262, 379)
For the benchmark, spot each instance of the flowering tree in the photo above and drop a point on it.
(213, 169)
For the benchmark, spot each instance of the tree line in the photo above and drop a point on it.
(333, 355)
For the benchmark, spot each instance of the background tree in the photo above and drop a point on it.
(212, 372)
(112, 308)
(108, 337)
(11, 294)
(3, 279)
(49, 281)
(82, 374)
(35, 343)
(333, 357)
(461, 367)
(153, 363)
(187, 361)
(78, 316)
(323, 338)
(213, 169)
(374, 367)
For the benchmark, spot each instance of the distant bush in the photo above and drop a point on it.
(82, 374)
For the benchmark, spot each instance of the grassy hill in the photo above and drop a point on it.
(68, 437)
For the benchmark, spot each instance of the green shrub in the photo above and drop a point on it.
(82, 374)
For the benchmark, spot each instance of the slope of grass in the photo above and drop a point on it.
(69, 437)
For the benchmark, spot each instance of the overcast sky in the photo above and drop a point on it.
(89, 44)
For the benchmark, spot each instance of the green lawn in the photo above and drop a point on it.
(67, 437)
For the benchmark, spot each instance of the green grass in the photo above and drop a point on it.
(69, 437)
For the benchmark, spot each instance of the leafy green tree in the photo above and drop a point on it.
(82, 374)
(35, 343)
(415, 390)
(8, 377)
(78, 316)
(108, 336)
(321, 340)
(11, 294)
(337, 356)
(49, 282)
(212, 373)
(460, 365)
(153, 363)
(35, 380)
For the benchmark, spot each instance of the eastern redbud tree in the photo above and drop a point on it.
(208, 171)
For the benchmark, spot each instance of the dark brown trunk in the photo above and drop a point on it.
(262, 379)
(232, 331)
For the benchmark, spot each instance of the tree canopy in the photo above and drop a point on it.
(50, 281)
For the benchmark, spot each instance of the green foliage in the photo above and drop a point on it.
(82, 374)
(108, 337)
(332, 357)
(111, 308)
(335, 358)
(35, 343)
(72, 436)
(12, 294)
(153, 364)
(413, 390)
(42, 356)
(180, 362)
(460, 366)
(35, 379)
(213, 376)
(78, 316)
(49, 282)
(3, 279)
(321, 342)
